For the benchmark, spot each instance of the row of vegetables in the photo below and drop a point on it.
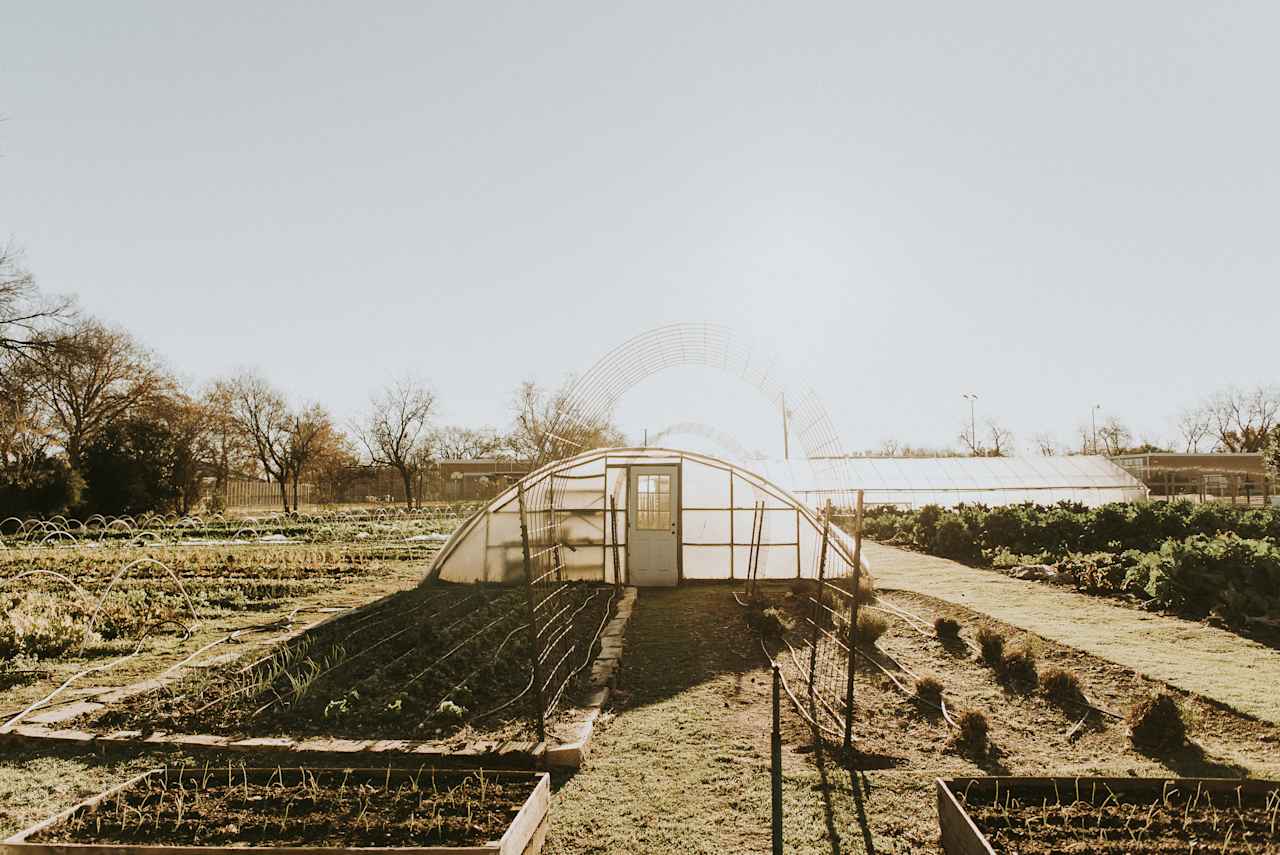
(1196, 559)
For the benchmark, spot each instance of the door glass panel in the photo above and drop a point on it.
(653, 502)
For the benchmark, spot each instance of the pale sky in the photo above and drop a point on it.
(1050, 205)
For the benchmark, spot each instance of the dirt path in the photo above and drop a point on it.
(1196, 658)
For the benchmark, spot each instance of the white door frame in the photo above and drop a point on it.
(636, 534)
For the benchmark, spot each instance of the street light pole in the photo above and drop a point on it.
(1093, 414)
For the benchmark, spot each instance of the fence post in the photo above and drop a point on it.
(816, 635)
(531, 614)
(775, 766)
(853, 627)
(617, 564)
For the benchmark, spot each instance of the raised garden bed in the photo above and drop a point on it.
(422, 664)
(981, 816)
(211, 809)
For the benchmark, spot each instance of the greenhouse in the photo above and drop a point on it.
(644, 516)
(913, 482)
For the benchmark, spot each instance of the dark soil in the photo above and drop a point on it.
(211, 806)
(422, 664)
(1093, 818)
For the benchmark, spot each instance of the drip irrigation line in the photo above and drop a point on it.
(812, 684)
(489, 663)
(309, 643)
(796, 701)
(13, 722)
(459, 646)
(590, 650)
(511, 701)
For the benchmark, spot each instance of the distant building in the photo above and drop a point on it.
(480, 478)
(1237, 478)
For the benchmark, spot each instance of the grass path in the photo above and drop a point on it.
(1211, 662)
(682, 765)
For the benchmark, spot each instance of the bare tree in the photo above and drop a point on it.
(28, 323)
(224, 447)
(311, 429)
(1242, 419)
(1046, 444)
(1000, 440)
(1114, 436)
(1194, 424)
(1271, 459)
(395, 432)
(547, 426)
(25, 433)
(335, 464)
(263, 417)
(459, 443)
(89, 378)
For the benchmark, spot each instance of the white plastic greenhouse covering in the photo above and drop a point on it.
(717, 502)
(912, 482)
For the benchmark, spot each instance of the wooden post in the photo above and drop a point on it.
(775, 765)
(853, 627)
(816, 635)
(617, 564)
(531, 614)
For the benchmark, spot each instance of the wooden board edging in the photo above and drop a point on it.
(527, 824)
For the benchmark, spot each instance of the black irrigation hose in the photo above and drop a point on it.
(590, 650)
(508, 703)
(804, 672)
(480, 667)
(459, 646)
(794, 700)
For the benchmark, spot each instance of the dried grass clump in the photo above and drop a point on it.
(866, 590)
(1018, 664)
(990, 645)
(1061, 685)
(946, 628)
(870, 627)
(770, 622)
(929, 689)
(973, 730)
(1156, 724)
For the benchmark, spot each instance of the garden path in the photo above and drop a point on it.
(1191, 656)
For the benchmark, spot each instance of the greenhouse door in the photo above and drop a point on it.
(652, 542)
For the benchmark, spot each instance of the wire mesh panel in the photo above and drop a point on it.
(553, 602)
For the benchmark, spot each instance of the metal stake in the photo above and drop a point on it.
(532, 616)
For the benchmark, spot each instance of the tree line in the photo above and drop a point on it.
(1234, 420)
(93, 422)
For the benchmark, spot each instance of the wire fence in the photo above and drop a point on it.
(553, 604)
(826, 661)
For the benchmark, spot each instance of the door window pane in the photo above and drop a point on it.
(653, 502)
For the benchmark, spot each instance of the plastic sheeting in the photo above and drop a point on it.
(912, 482)
(717, 503)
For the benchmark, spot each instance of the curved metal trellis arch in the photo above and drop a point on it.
(592, 398)
(725, 440)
